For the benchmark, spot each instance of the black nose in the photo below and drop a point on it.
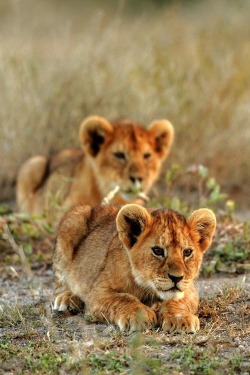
(175, 279)
(134, 179)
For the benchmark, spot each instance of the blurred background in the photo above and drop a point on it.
(188, 61)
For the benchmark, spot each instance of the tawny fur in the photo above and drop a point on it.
(124, 154)
(133, 267)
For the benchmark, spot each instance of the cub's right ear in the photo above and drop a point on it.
(93, 132)
(131, 221)
(203, 222)
(163, 134)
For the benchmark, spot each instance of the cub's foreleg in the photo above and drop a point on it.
(179, 315)
(73, 227)
(121, 309)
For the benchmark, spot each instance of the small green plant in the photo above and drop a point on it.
(190, 187)
(231, 251)
(107, 363)
(33, 357)
(41, 362)
(194, 361)
(21, 236)
(235, 365)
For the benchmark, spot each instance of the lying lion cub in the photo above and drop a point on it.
(123, 154)
(132, 267)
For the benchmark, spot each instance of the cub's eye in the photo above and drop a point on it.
(120, 155)
(158, 251)
(187, 252)
(146, 155)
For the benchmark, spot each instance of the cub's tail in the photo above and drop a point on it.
(31, 177)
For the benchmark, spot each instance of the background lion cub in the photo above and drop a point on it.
(123, 154)
(120, 262)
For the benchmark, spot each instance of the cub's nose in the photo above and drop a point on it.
(135, 179)
(175, 279)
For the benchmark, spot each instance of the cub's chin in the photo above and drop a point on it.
(170, 294)
(130, 196)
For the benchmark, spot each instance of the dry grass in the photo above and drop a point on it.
(189, 64)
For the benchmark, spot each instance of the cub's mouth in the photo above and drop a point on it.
(130, 191)
(172, 293)
(128, 195)
(173, 289)
(131, 194)
(133, 189)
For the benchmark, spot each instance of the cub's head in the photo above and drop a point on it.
(165, 249)
(125, 154)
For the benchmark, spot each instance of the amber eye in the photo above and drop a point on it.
(146, 155)
(158, 251)
(187, 252)
(120, 155)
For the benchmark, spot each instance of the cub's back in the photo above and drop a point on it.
(83, 240)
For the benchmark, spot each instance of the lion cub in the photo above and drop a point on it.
(133, 267)
(123, 154)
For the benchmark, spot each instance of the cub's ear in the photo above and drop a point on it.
(163, 133)
(93, 132)
(203, 221)
(131, 221)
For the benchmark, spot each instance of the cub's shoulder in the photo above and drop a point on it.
(83, 219)
(82, 222)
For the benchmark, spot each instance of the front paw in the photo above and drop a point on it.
(66, 301)
(136, 319)
(180, 322)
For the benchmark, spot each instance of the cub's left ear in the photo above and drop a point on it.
(203, 221)
(131, 221)
(163, 133)
(93, 133)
